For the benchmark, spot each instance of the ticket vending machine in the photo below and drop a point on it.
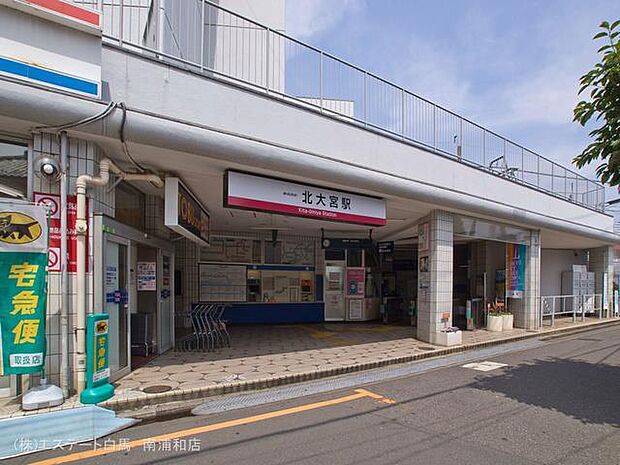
(335, 305)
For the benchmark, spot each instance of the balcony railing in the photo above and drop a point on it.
(201, 36)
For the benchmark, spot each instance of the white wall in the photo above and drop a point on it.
(552, 264)
(178, 94)
(233, 46)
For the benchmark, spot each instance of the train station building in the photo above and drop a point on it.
(227, 165)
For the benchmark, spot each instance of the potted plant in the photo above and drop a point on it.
(507, 320)
(495, 321)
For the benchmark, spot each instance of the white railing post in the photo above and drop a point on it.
(121, 22)
(583, 308)
(202, 36)
(484, 148)
(402, 109)
(267, 60)
(553, 313)
(459, 147)
(321, 79)
(365, 98)
(434, 127)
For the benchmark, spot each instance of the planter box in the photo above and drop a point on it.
(507, 322)
(446, 339)
(495, 323)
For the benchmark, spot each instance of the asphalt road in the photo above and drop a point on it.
(555, 404)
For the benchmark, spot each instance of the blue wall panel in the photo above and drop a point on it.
(257, 313)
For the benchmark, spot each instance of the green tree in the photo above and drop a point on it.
(603, 107)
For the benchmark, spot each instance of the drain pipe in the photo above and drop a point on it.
(81, 226)
(64, 274)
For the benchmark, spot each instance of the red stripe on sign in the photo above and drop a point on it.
(304, 211)
(68, 9)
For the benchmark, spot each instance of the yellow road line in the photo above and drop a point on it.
(374, 395)
(359, 394)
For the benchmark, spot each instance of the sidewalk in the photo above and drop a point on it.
(264, 357)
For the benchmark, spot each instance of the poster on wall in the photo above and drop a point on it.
(23, 289)
(355, 309)
(356, 278)
(423, 237)
(515, 270)
(222, 283)
(298, 253)
(229, 249)
(147, 276)
(52, 203)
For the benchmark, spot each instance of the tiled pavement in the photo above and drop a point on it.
(263, 356)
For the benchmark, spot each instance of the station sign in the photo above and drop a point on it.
(184, 214)
(261, 193)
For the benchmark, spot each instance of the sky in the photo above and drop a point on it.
(512, 66)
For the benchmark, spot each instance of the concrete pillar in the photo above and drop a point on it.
(435, 256)
(527, 313)
(601, 261)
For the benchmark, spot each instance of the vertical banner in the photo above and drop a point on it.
(98, 388)
(98, 371)
(515, 270)
(23, 261)
(52, 203)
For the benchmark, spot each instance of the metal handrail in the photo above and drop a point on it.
(285, 67)
(573, 304)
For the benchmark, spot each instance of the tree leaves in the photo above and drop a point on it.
(603, 105)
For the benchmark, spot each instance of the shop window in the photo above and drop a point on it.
(130, 206)
(13, 169)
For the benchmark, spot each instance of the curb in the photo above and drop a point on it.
(173, 404)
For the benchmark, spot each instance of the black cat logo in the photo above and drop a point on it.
(101, 327)
(18, 228)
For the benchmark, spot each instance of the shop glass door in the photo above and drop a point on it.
(116, 303)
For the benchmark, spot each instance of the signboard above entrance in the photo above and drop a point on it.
(349, 244)
(184, 213)
(260, 193)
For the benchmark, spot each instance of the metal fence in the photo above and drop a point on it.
(207, 38)
(573, 305)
